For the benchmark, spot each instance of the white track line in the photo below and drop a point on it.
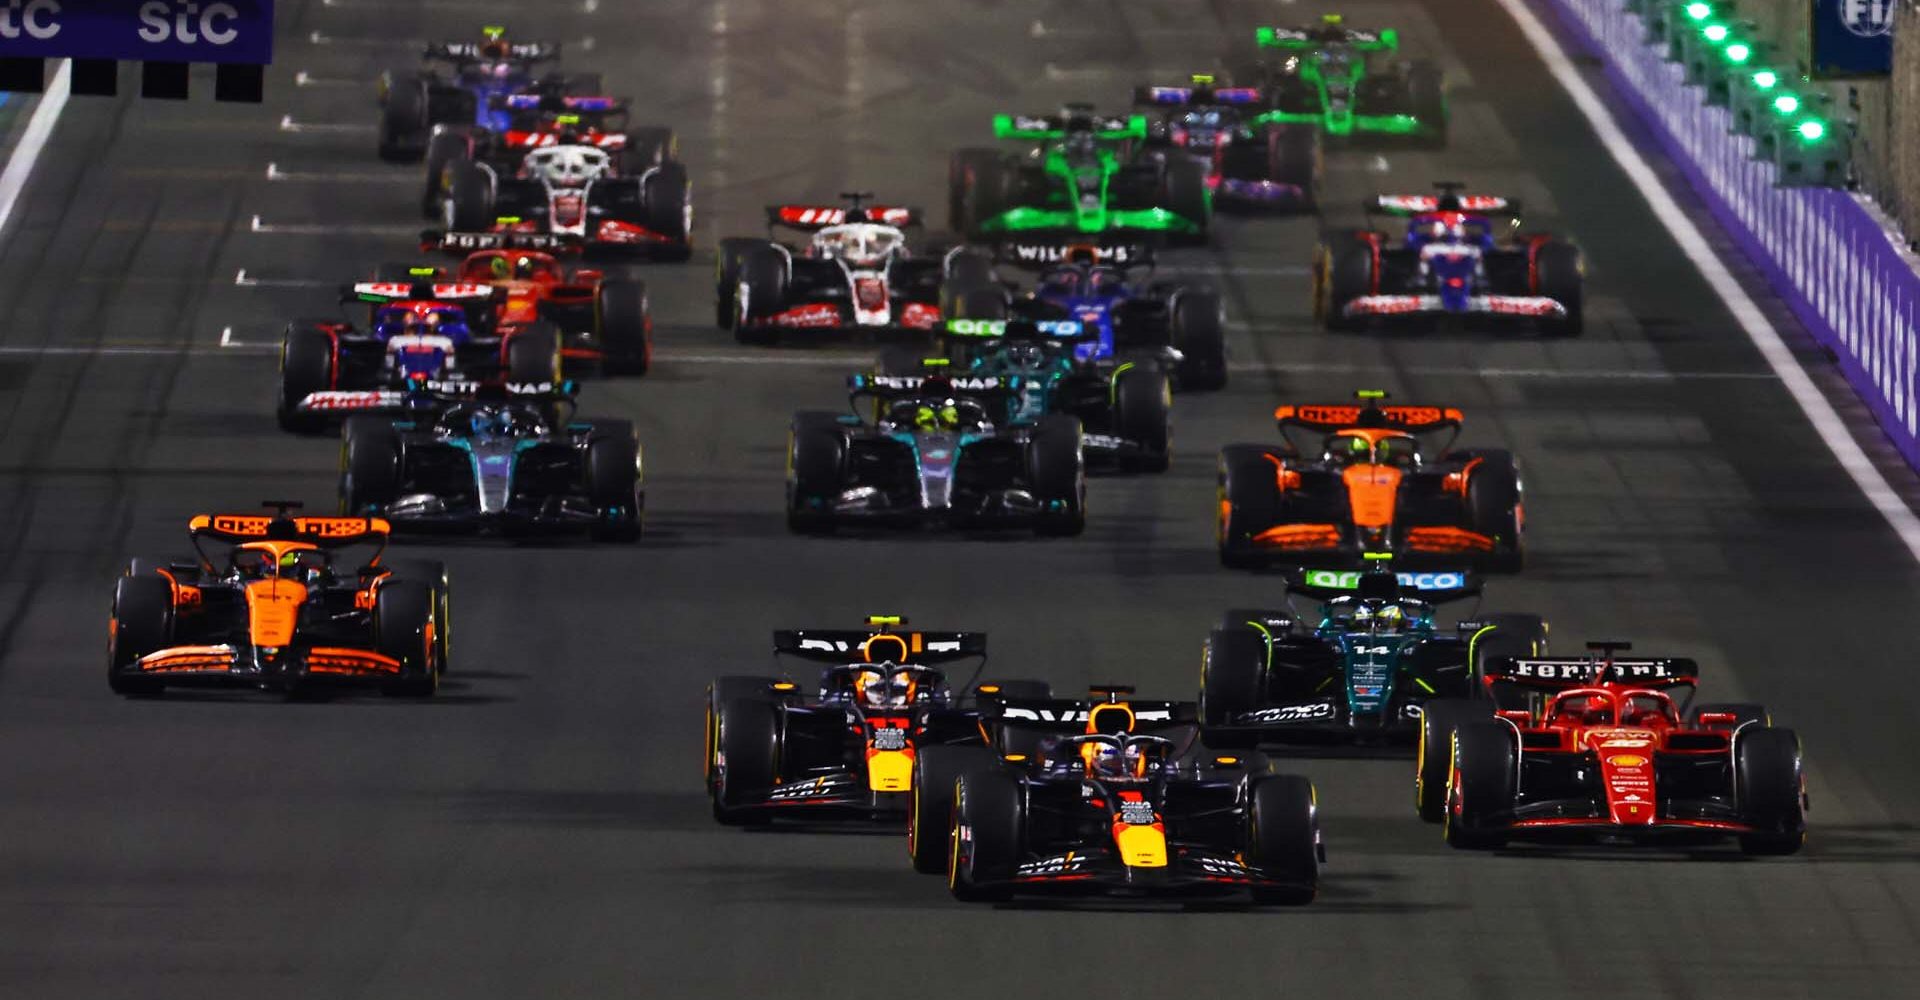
(288, 124)
(1826, 421)
(245, 280)
(33, 141)
(333, 229)
(274, 173)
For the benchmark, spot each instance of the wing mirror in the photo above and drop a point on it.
(1717, 720)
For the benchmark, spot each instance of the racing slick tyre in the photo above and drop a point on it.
(1187, 195)
(970, 269)
(760, 292)
(1344, 268)
(1058, 472)
(1283, 838)
(1438, 720)
(668, 195)
(816, 462)
(469, 203)
(403, 121)
(746, 746)
(936, 771)
(623, 325)
(613, 482)
(985, 836)
(648, 146)
(1516, 636)
(404, 612)
(976, 189)
(1742, 712)
(1200, 335)
(445, 149)
(1480, 786)
(1494, 503)
(306, 367)
(962, 299)
(1142, 399)
(1233, 676)
(1560, 276)
(1249, 495)
(369, 465)
(1427, 98)
(1294, 158)
(726, 277)
(1770, 790)
(533, 355)
(142, 624)
(433, 573)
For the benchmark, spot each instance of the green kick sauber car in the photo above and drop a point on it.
(1084, 176)
(1341, 79)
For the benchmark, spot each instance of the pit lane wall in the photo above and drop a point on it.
(1832, 255)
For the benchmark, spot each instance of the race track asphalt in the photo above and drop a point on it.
(540, 829)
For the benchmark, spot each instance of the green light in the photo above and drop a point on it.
(1699, 11)
(1766, 79)
(1715, 32)
(1739, 52)
(1786, 104)
(1811, 130)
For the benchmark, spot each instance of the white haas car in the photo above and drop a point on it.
(572, 192)
(856, 272)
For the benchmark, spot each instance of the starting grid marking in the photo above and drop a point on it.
(259, 225)
(274, 173)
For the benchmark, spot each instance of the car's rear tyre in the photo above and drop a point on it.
(1187, 195)
(1494, 497)
(936, 772)
(1233, 680)
(142, 624)
(1283, 838)
(1434, 754)
(533, 355)
(1343, 270)
(760, 292)
(648, 146)
(669, 200)
(444, 149)
(306, 367)
(976, 189)
(1771, 790)
(970, 269)
(468, 207)
(816, 468)
(403, 620)
(745, 737)
(726, 277)
(1560, 275)
(985, 838)
(1058, 472)
(433, 573)
(1249, 502)
(1506, 635)
(1142, 406)
(1294, 157)
(1480, 786)
(403, 120)
(1200, 335)
(613, 482)
(624, 322)
(370, 458)
(968, 299)
(1427, 97)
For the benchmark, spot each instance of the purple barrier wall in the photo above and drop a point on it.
(1826, 252)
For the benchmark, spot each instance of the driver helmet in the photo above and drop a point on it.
(1395, 451)
(1108, 761)
(880, 688)
(1027, 359)
(490, 422)
(1349, 449)
(1389, 618)
(502, 268)
(944, 415)
(420, 323)
(1587, 710)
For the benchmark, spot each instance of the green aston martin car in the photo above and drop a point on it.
(1347, 81)
(1083, 174)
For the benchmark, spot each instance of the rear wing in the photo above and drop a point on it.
(1181, 97)
(1422, 204)
(383, 292)
(1044, 127)
(1046, 253)
(526, 53)
(1070, 715)
(557, 103)
(430, 394)
(438, 241)
(898, 386)
(1671, 671)
(1341, 416)
(324, 531)
(1433, 588)
(809, 218)
(1042, 330)
(878, 644)
(1307, 39)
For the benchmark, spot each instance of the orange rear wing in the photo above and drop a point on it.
(324, 531)
(1341, 416)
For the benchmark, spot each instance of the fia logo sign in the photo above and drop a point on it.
(1868, 18)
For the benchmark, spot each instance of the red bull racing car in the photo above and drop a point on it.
(1368, 477)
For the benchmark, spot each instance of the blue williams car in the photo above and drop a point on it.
(1177, 328)
(466, 83)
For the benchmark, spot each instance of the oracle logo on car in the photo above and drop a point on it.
(34, 19)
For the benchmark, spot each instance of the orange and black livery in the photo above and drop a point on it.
(1369, 476)
(277, 601)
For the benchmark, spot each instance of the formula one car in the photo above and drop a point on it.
(507, 458)
(932, 453)
(420, 333)
(1360, 669)
(1179, 329)
(456, 85)
(538, 120)
(1083, 177)
(574, 188)
(1336, 78)
(1123, 407)
(1371, 480)
(1601, 749)
(856, 271)
(606, 323)
(280, 610)
(1253, 160)
(1450, 263)
(1120, 807)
